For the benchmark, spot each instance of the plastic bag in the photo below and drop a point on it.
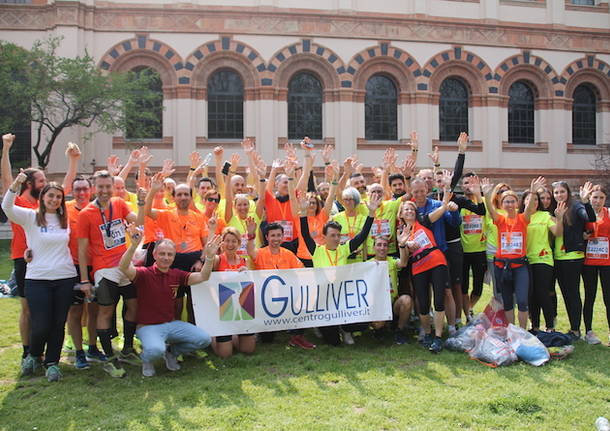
(527, 347)
(482, 320)
(495, 313)
(499, 332)
(492, 351)
(465, 338)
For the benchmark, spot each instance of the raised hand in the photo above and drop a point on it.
(7, 141)
(452, 206)
(434, 156)
(475, 185)
(195, 159)
(348, 166)
(327, 153)
(141, 194)
(585, 192)
(278, 164)
(446, 178)
(247, 145)
(403, 237)
(113, 165)
(212, 223)
(251, 226)
(261, 166)
(19, 180)
(306, 144)
(303, 204)
(373, 203)
(218, 152)
(537, 183)
(560, 210)
(168, 168)
(291, 153)
(289, 168)
(447, 195)
(462, 142)
(145, 156)
(156, 182)
(211, 248)
(331, 173)
(414, 141)
(408, 167)
(135, 233)
(134, 156)
(72, 151)
(486, 186)
(234, 161)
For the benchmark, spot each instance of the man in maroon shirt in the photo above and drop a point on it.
(156, 288)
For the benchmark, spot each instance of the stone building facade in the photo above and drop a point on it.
(530, 79)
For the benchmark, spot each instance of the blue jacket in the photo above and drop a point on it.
(452, 218)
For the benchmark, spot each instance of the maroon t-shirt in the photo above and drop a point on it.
(156, 293)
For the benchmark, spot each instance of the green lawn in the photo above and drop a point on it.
(369, 386)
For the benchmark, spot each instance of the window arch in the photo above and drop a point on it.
(225, 105)
(521, 114)
(304, 106)
(148, 106)
(453, 109)
(380, 109)
(583, 115)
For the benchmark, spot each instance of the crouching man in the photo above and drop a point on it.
(161, 335)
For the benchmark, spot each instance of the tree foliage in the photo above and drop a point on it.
(61, 92)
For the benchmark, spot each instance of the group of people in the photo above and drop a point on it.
(149, 245)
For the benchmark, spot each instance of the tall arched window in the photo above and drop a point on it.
(149, 106)
(520, 114)
(225, 105)
(304, 106)
(583, 115)
(453, 109)
(380, 109)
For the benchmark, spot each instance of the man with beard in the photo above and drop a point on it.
(186, 228)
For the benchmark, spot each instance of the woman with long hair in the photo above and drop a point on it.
(570, 249)
(597, 262)
(50, 276)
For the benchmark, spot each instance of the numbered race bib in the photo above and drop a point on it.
(380, 228)
(422, 239)
(473, 224)
(514, 246)
(288, 228)
(117, 234)
(597, 248)
(243, 247)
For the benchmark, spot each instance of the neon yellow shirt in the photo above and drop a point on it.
(560, 252)
(537, 239)
(350, 227)
(323, 258)
(393, 272)
(472, 231)
(385, 225)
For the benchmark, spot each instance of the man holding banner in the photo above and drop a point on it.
(157, 286)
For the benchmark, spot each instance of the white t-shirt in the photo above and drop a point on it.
(51, 258)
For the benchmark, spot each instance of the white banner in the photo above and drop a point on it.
(276, 300)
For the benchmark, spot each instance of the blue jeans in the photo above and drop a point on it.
(517, 287)
(182, 337)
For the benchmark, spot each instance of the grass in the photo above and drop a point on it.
(369, 386)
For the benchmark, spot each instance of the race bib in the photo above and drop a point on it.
(288, 229)
(511, 243)
(473, 224)
(380, 228)
(243, 247)
(422, 239)
(597, 248)
(117, 234)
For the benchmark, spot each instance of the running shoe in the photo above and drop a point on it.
(148, 369)
(574, 336)
(437, 345)
(591, 338)
(69, 345)
(113, 370)
(301, 341)
(400, 337)
(348, 339)
(95, 356)
(427, 341)
(80, 361)
(171, 361)
(129, 356)
(53, 374)
(29, 365)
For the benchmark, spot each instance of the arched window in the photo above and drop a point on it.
(225, 105)
(304, 106)
(453, 109)
(583, 115)
(149, 107)
(380, 109)
(520, 114)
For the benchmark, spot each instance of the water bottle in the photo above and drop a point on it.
(602, 424)
(207, 159)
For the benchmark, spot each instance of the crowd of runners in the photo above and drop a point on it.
(81, 246)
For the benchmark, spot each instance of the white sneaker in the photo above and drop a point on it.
(591, 338)
(348, 339)
(171, 361)
(148, 369)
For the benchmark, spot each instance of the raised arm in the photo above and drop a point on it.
(15, 213)
(195, 160)
(372, 204)
(589, 213)
(535, 185)
(458, 169)
(125, 265)
(560, 211)
(7, 174)
(132, 161)
(220, 179)
(309, 242)
(331, 173)
(228, 198)
(143, 161)
(73, 154)
(251, 227)
(402, 239)
(211, 250)
(147, 210)
(487, 188)
(440, 211)
(292, 195)
(307, 164)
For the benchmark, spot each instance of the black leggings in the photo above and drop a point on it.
(439, 277)
(542, 276)
(478, 262)
(49, 302)
(568, 276)
(589, 278)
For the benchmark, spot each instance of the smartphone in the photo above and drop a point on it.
(225, 168)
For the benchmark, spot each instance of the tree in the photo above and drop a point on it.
(61, 92)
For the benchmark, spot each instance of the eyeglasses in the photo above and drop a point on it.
(217, 200)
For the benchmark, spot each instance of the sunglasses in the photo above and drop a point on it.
(217, 200)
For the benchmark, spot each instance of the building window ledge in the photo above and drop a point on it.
(538, 147)
(165, 143)
(473, 146)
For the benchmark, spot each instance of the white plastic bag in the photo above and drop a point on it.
(527, 347)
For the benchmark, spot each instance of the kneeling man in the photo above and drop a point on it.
(157, 286)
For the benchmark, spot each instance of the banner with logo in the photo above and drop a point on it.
(277, 300)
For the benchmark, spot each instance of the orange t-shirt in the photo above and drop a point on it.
(316, 225)
(220, 225)
(152, 231)
(105, 250)
(185, 230)
(511, 238)
(73, 213)
(18, 243)
(280, 212)
(284, 260)
(425, 240)
(597, 251)
(224, 265)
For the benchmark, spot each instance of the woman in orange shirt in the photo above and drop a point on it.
(511, 273)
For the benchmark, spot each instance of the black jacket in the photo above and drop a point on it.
(572, 235)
